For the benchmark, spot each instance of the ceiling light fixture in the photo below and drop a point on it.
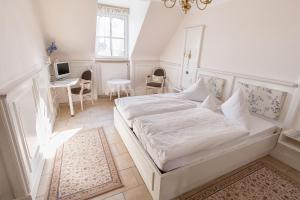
(187, 4)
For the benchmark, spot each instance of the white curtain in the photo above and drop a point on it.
(106, 10)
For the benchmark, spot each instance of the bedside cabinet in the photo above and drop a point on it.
(287, 149)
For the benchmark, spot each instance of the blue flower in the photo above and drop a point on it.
(51, 48)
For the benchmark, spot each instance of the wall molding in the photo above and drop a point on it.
(112, 61)
(170, 64)
(18, 80)
(252, 77)
(237, 75)
(144, 61)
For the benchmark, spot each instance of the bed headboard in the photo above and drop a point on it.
(274, 100)
(264, 101)
(268, 99)
(218, 84)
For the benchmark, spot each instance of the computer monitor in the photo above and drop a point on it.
(62, 69)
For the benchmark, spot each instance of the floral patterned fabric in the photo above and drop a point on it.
(215, 85)
(84, 168)
(264, 101)
(258, 180)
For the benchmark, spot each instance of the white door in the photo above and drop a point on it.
(191, 57)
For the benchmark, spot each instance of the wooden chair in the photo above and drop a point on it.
(156, 80)
(86, 87)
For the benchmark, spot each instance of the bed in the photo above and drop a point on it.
(179, 174)
(202, 132)
(136, 106)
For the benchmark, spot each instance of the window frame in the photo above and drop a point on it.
(110, 37)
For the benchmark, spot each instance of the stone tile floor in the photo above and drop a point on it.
(100, 114)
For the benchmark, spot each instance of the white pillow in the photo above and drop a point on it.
(212, 103)
(196, 92)
(236, 110)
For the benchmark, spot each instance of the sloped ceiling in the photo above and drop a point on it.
(158, 28)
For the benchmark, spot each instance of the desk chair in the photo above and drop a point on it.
(86, 87)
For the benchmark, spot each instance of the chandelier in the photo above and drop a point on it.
(187, 4)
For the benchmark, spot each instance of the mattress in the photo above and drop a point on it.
(137, 106)
(259, 129)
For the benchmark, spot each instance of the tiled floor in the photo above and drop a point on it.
(98, 115)
(101, 115)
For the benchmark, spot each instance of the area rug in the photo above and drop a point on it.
(84, 168)
(257, 181)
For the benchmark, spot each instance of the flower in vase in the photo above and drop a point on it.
(51, 48)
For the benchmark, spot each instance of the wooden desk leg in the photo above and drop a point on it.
(70, 101)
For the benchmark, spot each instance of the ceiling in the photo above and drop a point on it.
(128, 3)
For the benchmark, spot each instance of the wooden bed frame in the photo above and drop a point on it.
(164, 186)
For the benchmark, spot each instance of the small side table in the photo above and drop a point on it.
(288, 148)
(117, 86)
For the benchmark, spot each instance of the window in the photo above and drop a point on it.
(112, 32)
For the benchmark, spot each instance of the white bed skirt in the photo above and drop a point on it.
(165, 186)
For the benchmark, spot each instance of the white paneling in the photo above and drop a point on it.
(107, 71)
(5, 189)
(173, 71)
(142, 68)
(26, 115)
(25, 128)
(46, 111)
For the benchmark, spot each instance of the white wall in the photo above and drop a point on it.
(22, 47)
(138, 11)
(251, 37)
(22, 55)
(159, 25)
(72, 24)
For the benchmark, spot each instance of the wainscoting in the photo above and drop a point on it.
(27, 117)
(141, 68)
(139, 71)
(107, 70)
(173, 71)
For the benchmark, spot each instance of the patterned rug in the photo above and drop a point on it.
(257, 181)
(83, 168)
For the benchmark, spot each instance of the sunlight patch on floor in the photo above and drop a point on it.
(58, 139)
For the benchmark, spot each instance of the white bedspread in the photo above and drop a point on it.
(173, 135)
(136, 106)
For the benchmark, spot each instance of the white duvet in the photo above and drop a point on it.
(136, 106)
(173, 135)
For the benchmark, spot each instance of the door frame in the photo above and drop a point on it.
(186, 29)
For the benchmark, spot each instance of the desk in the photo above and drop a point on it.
(67, 83)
